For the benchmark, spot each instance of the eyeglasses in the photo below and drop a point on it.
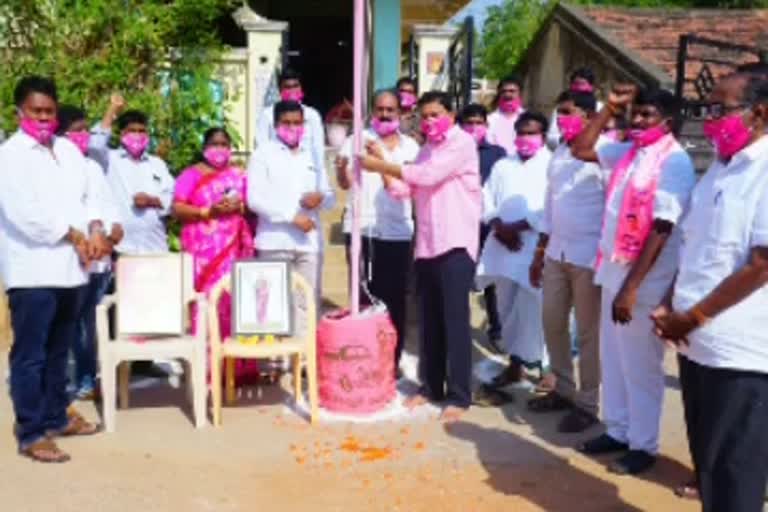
(718, 110)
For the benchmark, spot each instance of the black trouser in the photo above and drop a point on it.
(445, 359)
(726, 413)
(489, 293)
(390, 264)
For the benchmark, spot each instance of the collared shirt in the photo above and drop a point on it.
(573, 210)
(501, 130)
(382, 215)
(514, 192)
(489, 155)
(42, 195)
(145, 231)
(676, 181)
(314, 132)
(445, 185)
(728, 217)
(278, 178)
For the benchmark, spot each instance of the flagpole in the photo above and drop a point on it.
(359, 85)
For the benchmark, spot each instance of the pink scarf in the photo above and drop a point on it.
(636, 213)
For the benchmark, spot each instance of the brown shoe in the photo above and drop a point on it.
(77, 426)
(45, 451)
(578, 420)
(512, 374)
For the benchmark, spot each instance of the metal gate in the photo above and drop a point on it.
(700, 62)
(460, 64)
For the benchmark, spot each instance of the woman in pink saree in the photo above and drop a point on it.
(210, 201)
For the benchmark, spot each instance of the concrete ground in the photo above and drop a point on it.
(266, 457)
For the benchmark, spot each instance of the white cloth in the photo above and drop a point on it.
(573, 208)
(632, 370)
(520, 316)
(382, 216)
(501, 130)
(145, 231)
(110, 211)
(314, 132)
(42, 195)
(553, 134)
(728, 217)
(515, 191)
(277, 180)
(674, 188)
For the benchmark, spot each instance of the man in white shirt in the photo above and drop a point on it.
(287, 190)
(651, 180)
(718, 310)
(582, 81)
(73, 125)
(513, 202)
(46, 215)
(313, 138)
(563, 266)
(509, 107)
(386, 222)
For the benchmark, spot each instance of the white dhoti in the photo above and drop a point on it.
(632, 367)
(520, 316)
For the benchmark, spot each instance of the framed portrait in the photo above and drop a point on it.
(262, 302)
(150, 294)
(435, 62)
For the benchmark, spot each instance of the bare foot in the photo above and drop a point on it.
(452, 414)
(415, 401)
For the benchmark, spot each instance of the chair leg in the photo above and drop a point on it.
(296, 360)
(187, 368)
(313, 391)
(108, 392)
(196, 384)
(229, 377)
(216, 388)
(123, 382)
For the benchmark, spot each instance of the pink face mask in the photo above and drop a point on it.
(435, 129)
(510, 106)
(407, 100)
(217, 156)
(385, 127)
(728, 134)
(135, 143)
(293, 94)
(582, 86)
(477, 131)
(528, 145)
(647, 137)
(290, 135)
(570, 126)
(80, 139)
(41, 131)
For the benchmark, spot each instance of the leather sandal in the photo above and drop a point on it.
(688, 490)
(45, 451)
(77, 426)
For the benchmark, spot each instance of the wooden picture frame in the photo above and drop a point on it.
(262, 298)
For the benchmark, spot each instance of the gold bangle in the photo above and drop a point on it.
(698, 316)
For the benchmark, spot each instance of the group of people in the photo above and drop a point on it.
(593, 212)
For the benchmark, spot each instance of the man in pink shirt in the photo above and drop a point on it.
(445, 185)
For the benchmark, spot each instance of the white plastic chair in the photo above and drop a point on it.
(301, 348)
(116, 354)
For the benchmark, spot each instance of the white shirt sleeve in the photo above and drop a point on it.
(315, 123)
(553, 134)
(490, 210)
(609, 154)
(263, 126)
(167, 184)
(98, 145)
(262, 198)
(674, 189)
(759, 228)
(545, 223)
(36, 220)
(324, 187)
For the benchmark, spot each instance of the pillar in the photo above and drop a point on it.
(386, 43)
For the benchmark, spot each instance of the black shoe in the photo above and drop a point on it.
(632, 463)
(486, 396)
(578, 420)
(603, 444)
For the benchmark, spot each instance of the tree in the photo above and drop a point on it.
(160, 54)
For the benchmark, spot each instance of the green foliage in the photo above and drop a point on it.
(508, 31)
(161, 55)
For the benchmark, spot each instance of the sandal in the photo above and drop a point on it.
(551, 402)
(487, 396)
(688, 490)
(45, 451)
(77, 426)
(512, 374)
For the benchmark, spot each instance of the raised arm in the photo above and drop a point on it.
(583, 146)
(98, 147)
